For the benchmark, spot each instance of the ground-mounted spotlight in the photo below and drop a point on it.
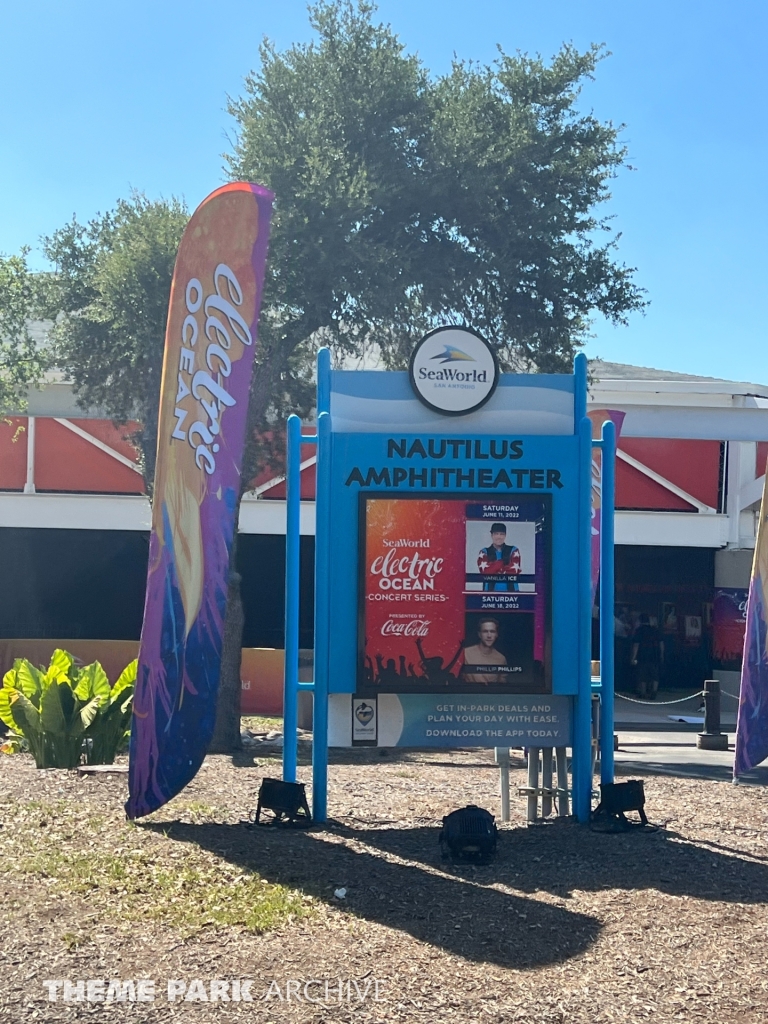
(286, 800)
(616, 800)
(469, 834)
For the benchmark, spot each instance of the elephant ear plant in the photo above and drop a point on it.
(113, 721)
(43, 707)
(66, 712)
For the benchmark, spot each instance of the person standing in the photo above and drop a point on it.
(647, 656)
(499, 559)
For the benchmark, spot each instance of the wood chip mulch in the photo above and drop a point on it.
(566, 926)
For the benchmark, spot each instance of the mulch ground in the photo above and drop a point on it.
(566, 925)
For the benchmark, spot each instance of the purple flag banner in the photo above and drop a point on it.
(752, 724)
(209, 349)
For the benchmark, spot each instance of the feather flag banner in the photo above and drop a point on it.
(752, 723)
(209, 350)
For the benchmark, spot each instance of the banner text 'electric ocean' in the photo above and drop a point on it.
(209, 349)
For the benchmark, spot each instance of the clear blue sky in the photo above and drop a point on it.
(101, 97)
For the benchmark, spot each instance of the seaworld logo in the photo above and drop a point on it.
(451, 354)
(439, 374)
(465, 376)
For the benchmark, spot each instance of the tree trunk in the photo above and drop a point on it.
(226, 735)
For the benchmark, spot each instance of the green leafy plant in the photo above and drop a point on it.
(42, 706)
(113, 720)
(64, 711)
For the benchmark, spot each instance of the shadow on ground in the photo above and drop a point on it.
(685, 768)
(559, 858)
(457, 913)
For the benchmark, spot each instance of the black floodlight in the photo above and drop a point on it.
(286, 800)
(616, 799)
(469, 834)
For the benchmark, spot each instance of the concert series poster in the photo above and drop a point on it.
(454, 594)
(729, 623)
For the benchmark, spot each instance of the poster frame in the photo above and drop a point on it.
(362, 690)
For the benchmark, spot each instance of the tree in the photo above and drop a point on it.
(22, 360)
(405, 201)
(109, 293)
(402, 201)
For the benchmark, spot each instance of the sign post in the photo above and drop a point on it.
(453, 568)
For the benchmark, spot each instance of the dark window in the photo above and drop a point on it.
(72, 584)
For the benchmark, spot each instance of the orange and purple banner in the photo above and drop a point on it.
(209, 349)
(598, 418)
(752, 724)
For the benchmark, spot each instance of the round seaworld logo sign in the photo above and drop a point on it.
(453, 370)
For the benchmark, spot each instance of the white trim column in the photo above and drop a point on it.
(29, 485)
(742, 456)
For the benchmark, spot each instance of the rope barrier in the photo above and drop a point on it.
(733, 696)
(662, 703)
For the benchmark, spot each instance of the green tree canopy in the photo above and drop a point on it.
(405, 201)
(109, 291)
(22, 360)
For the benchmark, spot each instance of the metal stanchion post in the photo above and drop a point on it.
(502, 759)
(533, 784)
(561, 761)
(546, 781)
(712, 738)
(595, 729)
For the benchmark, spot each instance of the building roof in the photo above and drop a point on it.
(604, 370)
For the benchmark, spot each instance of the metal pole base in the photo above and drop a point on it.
(501, 755)
(712, 741)
(533, 784)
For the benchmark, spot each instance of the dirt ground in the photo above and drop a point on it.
(566, 925)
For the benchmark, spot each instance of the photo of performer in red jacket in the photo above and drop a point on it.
(499, 559)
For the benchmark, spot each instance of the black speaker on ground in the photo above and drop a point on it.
(469, 834)
(286, 800)
(619, 798)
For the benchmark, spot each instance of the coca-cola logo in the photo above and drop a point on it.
(412, 627)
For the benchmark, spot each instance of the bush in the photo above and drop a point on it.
(66, 713)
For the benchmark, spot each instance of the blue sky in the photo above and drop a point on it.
(102, 97)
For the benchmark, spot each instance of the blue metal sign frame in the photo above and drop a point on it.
(368, 422)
